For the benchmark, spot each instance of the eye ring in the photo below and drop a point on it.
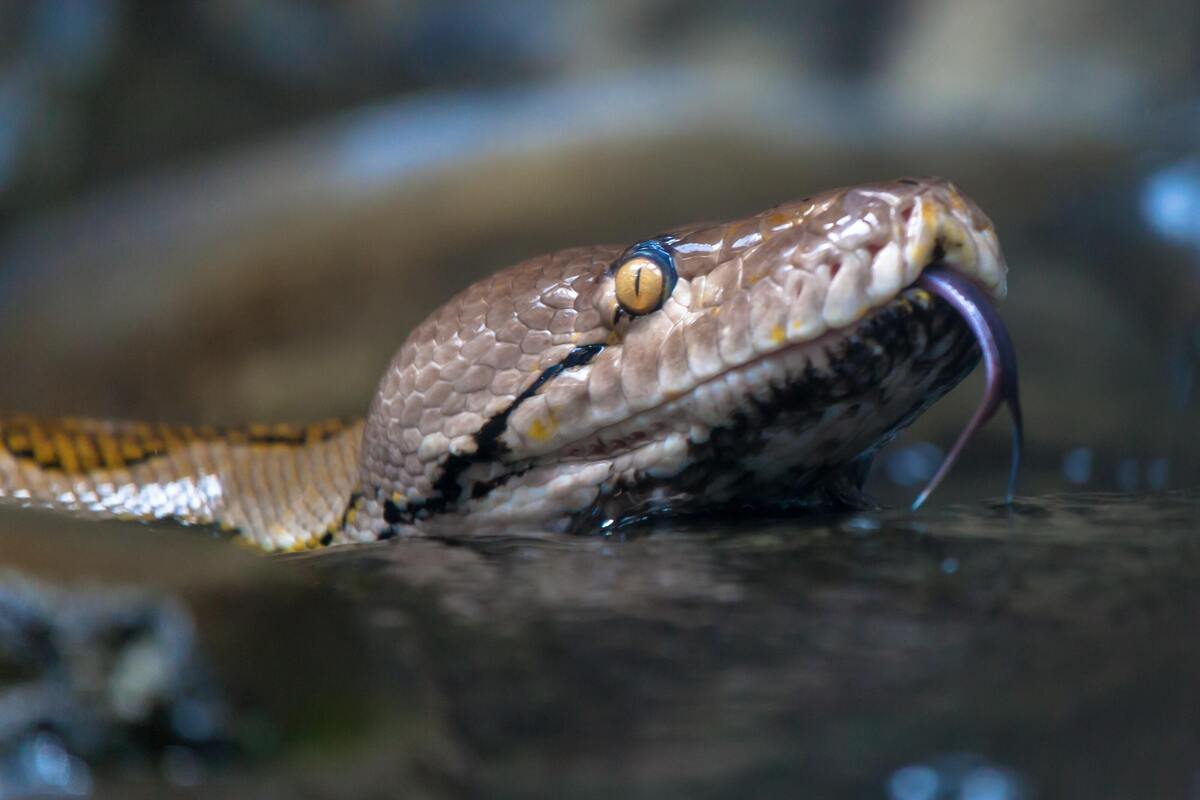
(644, 277)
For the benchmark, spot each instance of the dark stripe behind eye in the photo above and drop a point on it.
(447, 488)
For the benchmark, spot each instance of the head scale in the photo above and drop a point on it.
(755, 363)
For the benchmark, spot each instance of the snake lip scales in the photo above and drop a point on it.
(756, 365)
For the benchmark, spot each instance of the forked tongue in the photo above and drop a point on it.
(999, 364)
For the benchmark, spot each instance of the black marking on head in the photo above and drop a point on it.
(916, 332)
(447, 488)
(484, 488)
(392, 512)
(351, 505)
(909, 182)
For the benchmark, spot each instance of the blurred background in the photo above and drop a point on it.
(237, 209)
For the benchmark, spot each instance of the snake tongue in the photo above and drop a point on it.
(999, 363)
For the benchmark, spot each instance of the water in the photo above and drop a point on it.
(966, 652)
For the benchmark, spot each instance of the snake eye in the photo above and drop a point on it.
(644, 278)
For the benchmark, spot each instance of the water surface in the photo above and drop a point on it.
(1048, 649)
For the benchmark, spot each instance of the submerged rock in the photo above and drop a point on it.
(126, 646)
(96, 673)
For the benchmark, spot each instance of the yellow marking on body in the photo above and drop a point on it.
(285, 431)
(541, 430)
(172, 439)
(110, 451)
(89, 459)
(920, 249)
(929, 214)
(953, 237)
(778, 334)
(67, 458)
(43, 448)
(778, 221)
(18, 443)
(399, 498)
(131, 450)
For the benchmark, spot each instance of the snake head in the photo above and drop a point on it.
(756, 364)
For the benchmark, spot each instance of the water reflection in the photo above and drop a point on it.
(1171, 202)
(1077, 465)
(42, 767)
(818, 656)
(959, 776)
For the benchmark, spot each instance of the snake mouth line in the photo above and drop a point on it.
(791, 359)
(770, 371)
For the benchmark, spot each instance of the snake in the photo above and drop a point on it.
(743, 367)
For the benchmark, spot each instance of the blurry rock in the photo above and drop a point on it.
(130, 644)
(102, 672)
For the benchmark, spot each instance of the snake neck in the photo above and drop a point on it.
(278, 487)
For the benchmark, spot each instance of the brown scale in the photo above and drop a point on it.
(278, 486)
(79, 446)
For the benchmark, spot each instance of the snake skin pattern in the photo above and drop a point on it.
(790, 348)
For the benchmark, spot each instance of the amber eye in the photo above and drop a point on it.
(644, 278)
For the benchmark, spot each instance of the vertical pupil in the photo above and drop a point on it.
(631, 294)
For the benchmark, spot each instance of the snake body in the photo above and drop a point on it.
(782, 351)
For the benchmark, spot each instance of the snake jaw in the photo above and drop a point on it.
(792, 347)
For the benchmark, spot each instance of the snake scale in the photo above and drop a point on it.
(750, 365)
